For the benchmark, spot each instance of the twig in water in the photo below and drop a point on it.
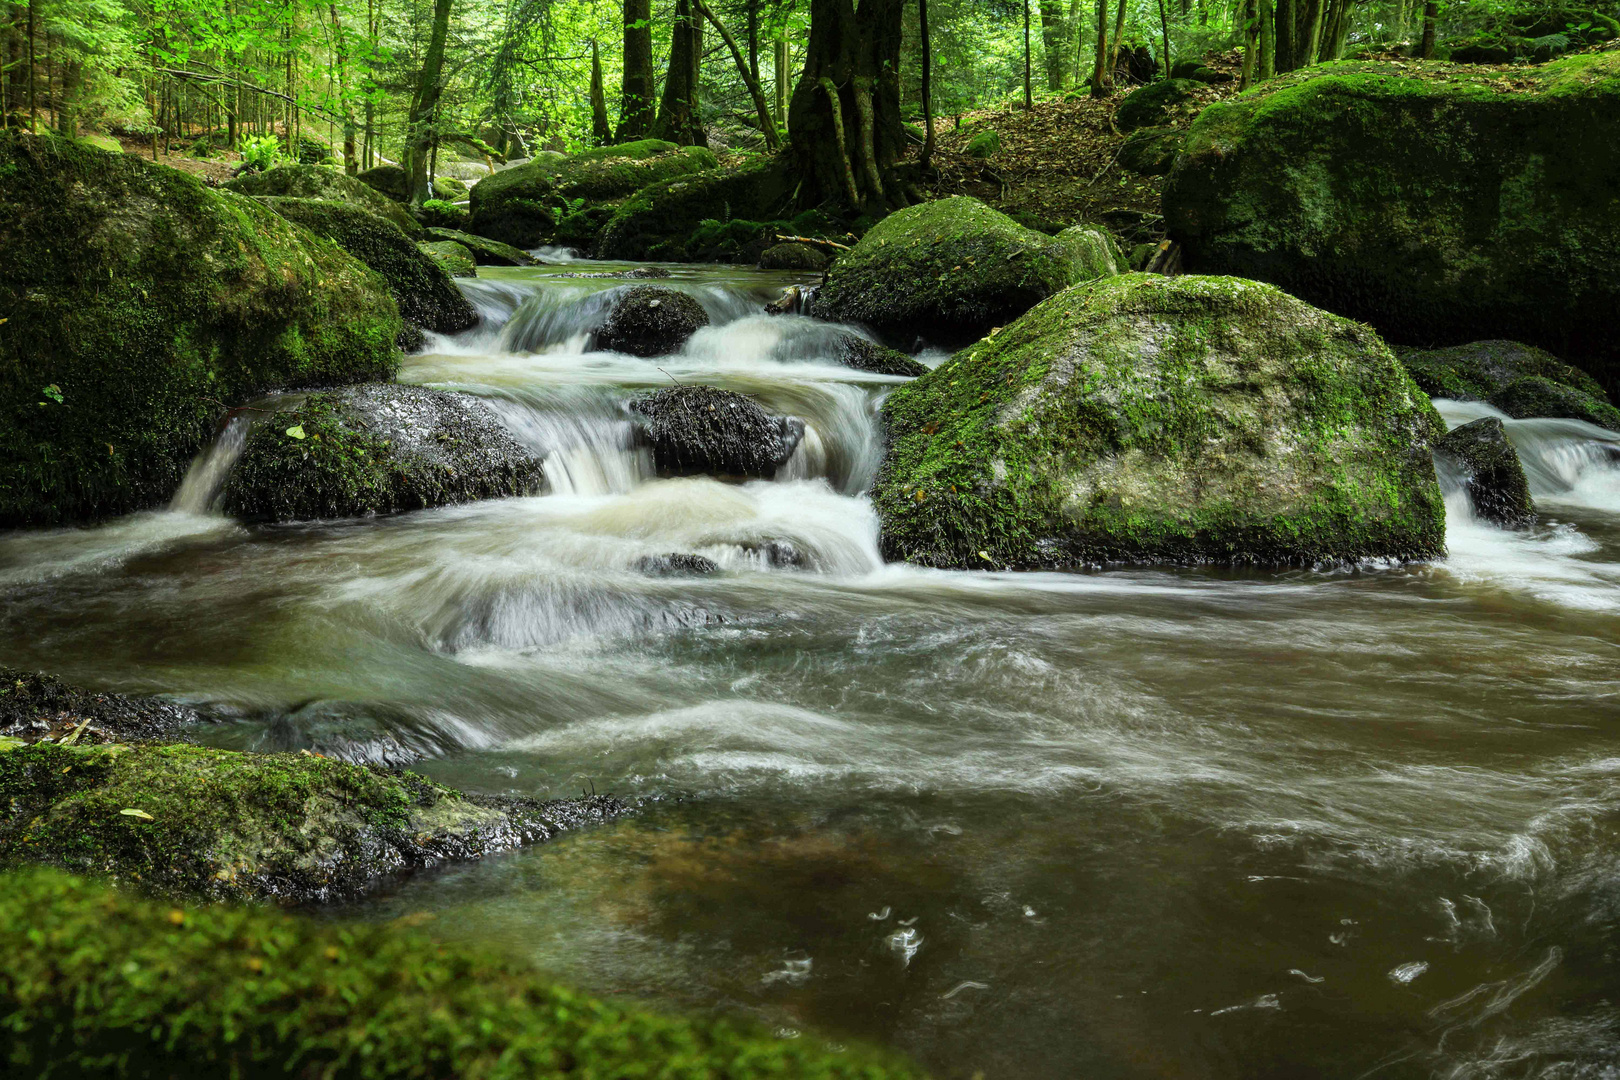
(672, 378)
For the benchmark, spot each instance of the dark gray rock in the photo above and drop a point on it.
(1151, 151)
(677, 564)
(866, 355)
(1155, 104)
(650, 320)
(1536, 395)
(1491, 472)
(699, 430)
(34, 705)
(1480, 369)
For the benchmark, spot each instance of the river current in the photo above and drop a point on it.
(1132, 823)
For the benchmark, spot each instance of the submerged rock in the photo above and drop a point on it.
(486, 252)
(1144, 418)
(677, 564)
(650, 320)
(1535, 395)
(420, 286)
(377, 449)
(951, 269)
(221, 824)
(662, 220)
(1437, 202)
(1480, 369)
(699, 430)
(1491, 472)
(323, 182)
(525, 205)
(173, 991)
(793, 256)
(134, 300)
(867, 355)
(456, 259)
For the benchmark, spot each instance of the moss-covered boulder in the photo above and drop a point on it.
(486, 252)
(376, 449)
(1151, 151)
(1143, 418)
(1095, 252)
(793, 256)
(195, 821)
(390, 181)
(650, 320)
(661, 220)
(323, 182)
(1488, 467)
(984, 144)
(947, 270)
(98, 983)
(1536, 395)
(420, 286)
(864, 354)
(703, 431)
(1480, 369)
(455, 259)
(1438, 202)
(133, 301)
(449, 188)
(523, 205)
(1156, 104)
(438, 214)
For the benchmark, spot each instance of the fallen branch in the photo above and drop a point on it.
(810, 240)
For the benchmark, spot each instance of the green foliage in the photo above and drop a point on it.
(261, 153)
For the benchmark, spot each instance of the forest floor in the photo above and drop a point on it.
(1059, 160)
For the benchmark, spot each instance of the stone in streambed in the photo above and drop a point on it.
(699, 430)
(1143, 418)
(486, 252)
(865, 354)
(1536, 395)
(456, 259)
(1481, 369)
(377, 449)
(1491, 472)
(793, 256)
(650, 320)
(35, 705)
(677, 564)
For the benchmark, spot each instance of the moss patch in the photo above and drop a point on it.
(486, 252)
(134, 301)
(456, 259)
(661, 221)
(1141, 418)
(322, 182)
(1475, 371)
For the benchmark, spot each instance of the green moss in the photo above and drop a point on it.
(1156, 104)
(663, 220)
(448, 188)
(420, 286)
(948, 269)
(456, 259)
(486, 252)
(1441, 203)
(147, 300)
(322, 182)
(1141, 418)
(1535, 395)
(983, 145)
(1096, 252)
(1476, 371)
(97, 984)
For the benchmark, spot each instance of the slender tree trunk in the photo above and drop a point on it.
(1431, 9)
(1310, 46)
(424, 107)
(1055, 43)
(1164, 29)
(341, 58)
(1119, 39)
(753, 39)
(1267, 65)
(601, 130)
(33, 99)
(927, 45)
(678, 121)
(1102, 74)
(1251, 42)
(637, 99)
(1029, 89)
(1285, 35)
(762, 108)
(780, 56)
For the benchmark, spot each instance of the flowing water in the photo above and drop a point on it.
(1134, 823)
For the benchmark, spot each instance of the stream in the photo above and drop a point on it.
(1134, 823)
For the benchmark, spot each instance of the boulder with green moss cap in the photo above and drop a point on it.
(1438, 202)
(1156, 104)
(1536, 395)
(523, 205)
(420, 286)
(951, 269)
(390, 181)
(664, 220)
(456, 259)
(1480, 369)
(1096, 252)
(135, 304)
(1142, 418)
(323, 182)
(374, 450)
(485, 252)
(650, 320)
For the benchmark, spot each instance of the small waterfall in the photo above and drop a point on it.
(583, 435)
(204, 482)
(1565, 461)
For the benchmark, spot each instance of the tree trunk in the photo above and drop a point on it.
(780, 57)
(1285, 35)
(1118, 40)
(1251, 42)
(33, 98)
(1430, 10)
(753, 39)
(844, 120)
(1029, 89)
(927, 45)
(638, 88)
(601, 130)
(424, 106)
(678, 121)
(1055, 42)
(1102, 73)
(1164, 29)
(767, 126)
(341, 57)
(1267, 66)
(1310, 46)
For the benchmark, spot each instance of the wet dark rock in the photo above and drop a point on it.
(867, 355)
(795, 300)
(780, 554)
(793, 256)
(1154, 105)
(699, 430)
(1151, 151)
(650, 320)
(34, 705)
(1536, 395)
(410, 339)
(486, 252)
(420, 285)
(652, 272)
(1491, 472)
(676, 564)
(376, 449)
(1480, 369)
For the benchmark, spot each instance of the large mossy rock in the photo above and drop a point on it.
(486, 252)
(1480, 369)
(221, 824)
(700, 430)
(456, 259)
(650, 320)
(1439, 203)
(1156, 104)
(374, 450)
(1094, 250)
(947, 270)
(98, 983)
(389, 181)
(133, 301)
(662, 220)
(523, 205)
(323, 182)
(420, 286)
(1490, 471)
(1151, 151)
(1536, 395)
(1143, 418)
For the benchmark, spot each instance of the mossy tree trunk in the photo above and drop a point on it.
(747, 69)
(425, 105)
(844, 121)
(601, 130)
(636, 97)
(678, 119)
(1102, 73)
(1430, 11)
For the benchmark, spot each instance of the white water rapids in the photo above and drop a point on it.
(1134, 823)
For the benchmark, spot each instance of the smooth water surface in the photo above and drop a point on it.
(1134, 823)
